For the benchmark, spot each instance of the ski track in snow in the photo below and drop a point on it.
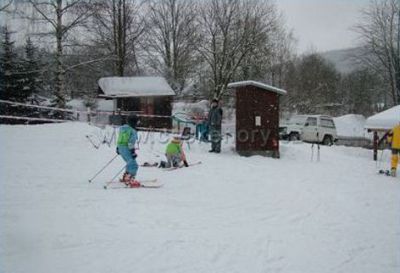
(228, 214)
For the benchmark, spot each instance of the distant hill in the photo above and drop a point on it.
(343, 59)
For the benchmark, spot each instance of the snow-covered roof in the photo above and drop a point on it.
(384, 120)
(135, 87)
(257, 84)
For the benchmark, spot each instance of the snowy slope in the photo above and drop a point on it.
(229, 214)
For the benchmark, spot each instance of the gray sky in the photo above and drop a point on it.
(317, 24)
(322, 24)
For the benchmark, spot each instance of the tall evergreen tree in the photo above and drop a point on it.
(13, 82)
(31, 69)
(8, 58)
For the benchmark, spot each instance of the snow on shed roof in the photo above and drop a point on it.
(135, 87)
(384, 120)
(258, 84)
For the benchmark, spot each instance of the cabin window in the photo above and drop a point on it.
(128, 104)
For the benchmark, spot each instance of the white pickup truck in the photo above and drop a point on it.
(310, 128)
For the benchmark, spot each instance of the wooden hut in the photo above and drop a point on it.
(380, 124)
(150, 97)
(257, 118)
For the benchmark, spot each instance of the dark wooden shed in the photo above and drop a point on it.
(257, 118)
(150, 97)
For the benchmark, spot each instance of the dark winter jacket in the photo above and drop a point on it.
(215, 117)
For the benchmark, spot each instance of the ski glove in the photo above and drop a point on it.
(134, 155)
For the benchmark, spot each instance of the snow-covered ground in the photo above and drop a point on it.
(229, 214)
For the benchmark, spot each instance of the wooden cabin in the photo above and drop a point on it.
(257, 118)
(149, 97)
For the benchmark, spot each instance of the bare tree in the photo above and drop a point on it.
(361, 92)
(380, 33)
(280, 54)
(117, 26)
(269, 59)
(6, 5)
(170, 40)
(61, 18)
(231, 29)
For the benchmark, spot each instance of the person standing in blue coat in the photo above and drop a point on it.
(214, 125)
(127, 139)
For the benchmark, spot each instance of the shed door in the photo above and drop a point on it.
(147, 105)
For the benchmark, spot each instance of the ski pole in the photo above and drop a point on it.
(312, 152)
(91, 141)
(115, 176)
(318, 147)
(102, 169)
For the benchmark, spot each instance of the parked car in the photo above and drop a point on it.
(310, 128)
(292, 129)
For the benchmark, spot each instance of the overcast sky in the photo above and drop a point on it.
(322, 24)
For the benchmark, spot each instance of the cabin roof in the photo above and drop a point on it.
(120, 87)
(259, 85)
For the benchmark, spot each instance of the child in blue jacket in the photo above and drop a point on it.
(126, 149)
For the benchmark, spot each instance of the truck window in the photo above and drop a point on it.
(328, 123)
(311, 121)
(298, 120)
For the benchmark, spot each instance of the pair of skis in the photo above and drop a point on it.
(379, 163)
(386, 173)
(151, 183)
(183, 166)
(117, 184)
(155, 164)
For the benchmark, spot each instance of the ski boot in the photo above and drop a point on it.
(393, 172)
(133, 183)
(125, 178)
